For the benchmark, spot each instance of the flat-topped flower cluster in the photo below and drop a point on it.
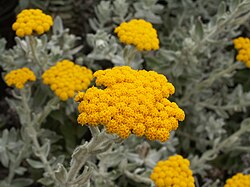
(32, 21)
(173, 172)
(19, 77)
(128, 101)
(139, 33)
(66, 78)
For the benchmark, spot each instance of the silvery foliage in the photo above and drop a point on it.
(130, 163)
(31, 146)
(61, 45)
(109, 14)
(197, 56)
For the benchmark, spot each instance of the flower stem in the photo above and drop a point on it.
(129, 54)
(37, 148)
(99, 143)
(17, 163)
(32, 43)
(138, 178)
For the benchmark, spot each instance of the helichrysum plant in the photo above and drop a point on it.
(30, 67)
(129, 112)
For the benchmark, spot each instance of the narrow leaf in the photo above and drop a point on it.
(199, 29)
(35, 164)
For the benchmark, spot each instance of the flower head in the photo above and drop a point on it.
(129, 101)
(238, 180)
(139, 33)
(65, 78)
(32, 21)
(243, 47)
(19, 77)
(173, 172)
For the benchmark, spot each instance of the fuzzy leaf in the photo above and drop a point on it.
(61, 174)
(45, 149)
(20, 170)
(35, 164)
(4, 159)
(233, 4)
(221, 9)
(21, 182)
(45, 181)
(199, 29)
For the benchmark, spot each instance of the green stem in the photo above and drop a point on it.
(17, 163)
(99, 143)
(129, 54)
(51, 105)
(32, 43)
(37, 148)
(138, 178)
(32, 126)
(25, 103)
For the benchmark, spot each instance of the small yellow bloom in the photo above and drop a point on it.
(238, 180)
(243, 47)
(66, 78)
(139, 33)
(173, 172)
(128, 101)
(32, 21)
(19, 77)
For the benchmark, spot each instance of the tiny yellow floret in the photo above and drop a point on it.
(238, 180)
(19, 77)
(139, 33)
(128, 101)
(66, 78)
(243, 47)
(173, 172)
(32, 21)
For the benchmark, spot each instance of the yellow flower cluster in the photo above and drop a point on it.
(238, 180)
(32, 21)
(173, 172)
(129, 101)
(139, 33)
(243, 47)
(65, 78)
(19, 77)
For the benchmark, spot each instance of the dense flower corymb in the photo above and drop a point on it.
(173, 172)
(19, 77)
(131, 101)
(65, 78)
(32, 21)
(238, 180)
(139, 33)
(243, 47)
